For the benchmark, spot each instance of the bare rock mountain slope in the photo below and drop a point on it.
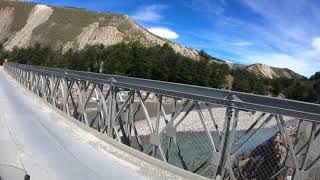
(24, 24)
(72, 28)
(6, 18)
(38, 15)
(273, 72)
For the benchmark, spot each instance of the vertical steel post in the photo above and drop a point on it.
(224, 141)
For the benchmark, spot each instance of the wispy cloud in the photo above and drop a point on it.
(150, 13)
(242, 43)
(289, 28)
(283, 34)
(164, 32)
(304, 61)
(207, 6)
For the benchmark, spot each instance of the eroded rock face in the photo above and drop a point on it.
(265, 71)
(93, 34)
(273, 72)
(39, 14)
(6, 19)
(191, 53)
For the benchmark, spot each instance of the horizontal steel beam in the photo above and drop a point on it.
(297, 109)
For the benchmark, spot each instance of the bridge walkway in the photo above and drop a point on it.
(36, 138)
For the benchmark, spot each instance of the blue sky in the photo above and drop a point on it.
(281, 33)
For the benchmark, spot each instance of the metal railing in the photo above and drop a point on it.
(211, 132)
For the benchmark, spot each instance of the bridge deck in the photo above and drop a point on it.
(34, 137)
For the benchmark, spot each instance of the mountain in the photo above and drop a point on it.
(315, 77)
(24, 24)
(273, 72)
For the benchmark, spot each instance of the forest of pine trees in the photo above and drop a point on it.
(163, 63)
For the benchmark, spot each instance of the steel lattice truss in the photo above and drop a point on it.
(214, 133)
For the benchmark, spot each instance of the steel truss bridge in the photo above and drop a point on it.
(217, 134)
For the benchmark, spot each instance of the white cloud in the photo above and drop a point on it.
(242, 43)
(316, 43)
(150, 13)
(164, 32)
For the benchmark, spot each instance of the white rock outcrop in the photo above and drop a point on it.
(93, 34)
(6, 19)
(39, 14)
(264, 70)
